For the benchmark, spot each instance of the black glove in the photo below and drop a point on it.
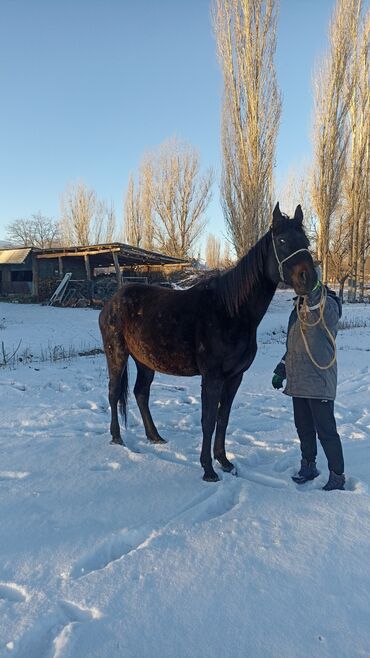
(277, 381)
(279, 374)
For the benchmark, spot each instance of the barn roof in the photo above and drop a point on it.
(102, 254)
(14, 256)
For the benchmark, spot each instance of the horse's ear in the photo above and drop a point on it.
(298, 213)
(276, 214)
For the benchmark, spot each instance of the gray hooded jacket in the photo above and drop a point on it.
(304, 379)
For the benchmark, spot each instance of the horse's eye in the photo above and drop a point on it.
(282, 241)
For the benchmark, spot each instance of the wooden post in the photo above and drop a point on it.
(118, 271)
(35, 277)
(60, 265)
(87, 267)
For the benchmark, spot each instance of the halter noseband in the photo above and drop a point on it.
(281, 262)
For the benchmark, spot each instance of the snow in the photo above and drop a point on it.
(108, 551)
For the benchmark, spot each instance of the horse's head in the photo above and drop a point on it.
(289, 259)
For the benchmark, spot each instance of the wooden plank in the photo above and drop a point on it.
(77, 253)
(59, 293)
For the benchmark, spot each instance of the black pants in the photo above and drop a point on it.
(316, 417)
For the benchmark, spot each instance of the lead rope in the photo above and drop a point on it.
(303, 323)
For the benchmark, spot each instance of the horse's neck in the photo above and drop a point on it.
(258, 301)
(258, 295)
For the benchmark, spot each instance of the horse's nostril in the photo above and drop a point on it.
(304, 276)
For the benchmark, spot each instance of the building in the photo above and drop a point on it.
(17, 271)
(37, 272)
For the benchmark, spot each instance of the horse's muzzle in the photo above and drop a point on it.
(304, 278)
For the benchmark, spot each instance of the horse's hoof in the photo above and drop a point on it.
(210, 477)
(227, 466)
(157, 439)
(117, 442)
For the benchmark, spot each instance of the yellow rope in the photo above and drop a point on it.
(303, 323)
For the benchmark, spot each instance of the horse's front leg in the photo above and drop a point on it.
(229, 390)
(211, 391)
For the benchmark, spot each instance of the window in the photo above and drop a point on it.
(21, 275)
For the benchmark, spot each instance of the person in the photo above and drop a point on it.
(310, 369)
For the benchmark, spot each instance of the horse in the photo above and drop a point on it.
(208, 329)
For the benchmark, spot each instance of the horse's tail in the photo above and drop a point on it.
(123, 394)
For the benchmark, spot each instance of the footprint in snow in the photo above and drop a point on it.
(353, 485)
(13, 592)
(13, 475)
(110, 550)
(288, 460)
(221, 502)
(49, 636)
(262, 478)
(356, 486)
(204, 509)
(17, 385)
(109, 466)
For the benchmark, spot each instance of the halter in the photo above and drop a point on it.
(281, 262)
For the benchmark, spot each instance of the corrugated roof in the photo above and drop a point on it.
(13, 256)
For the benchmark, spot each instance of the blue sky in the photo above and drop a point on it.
(87, 86)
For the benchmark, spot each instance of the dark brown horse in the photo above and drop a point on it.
(208, 330)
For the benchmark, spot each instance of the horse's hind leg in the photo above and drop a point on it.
(117, 377)
(144, 379)
(116, 354)
(229, 390)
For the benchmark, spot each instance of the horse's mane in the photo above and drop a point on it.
(236, 284)
(233, 286)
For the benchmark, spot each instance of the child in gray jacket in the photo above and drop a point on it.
(310, 368)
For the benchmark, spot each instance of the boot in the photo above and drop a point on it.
(307, 472)
(335, 482)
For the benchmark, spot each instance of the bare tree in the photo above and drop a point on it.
(213, 252)
(245, 32)
(84, 218)
(103, 228)
(138, 217)
(180, 197)
(110, 231)
(146, 191)
(333, 92)
(226, 258)
(35, 231)
(133, 228)
(78, 207)
(297, 190)
(165, 210)
(357, 177)
(339, 253)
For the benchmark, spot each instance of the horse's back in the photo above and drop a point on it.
(158, 325)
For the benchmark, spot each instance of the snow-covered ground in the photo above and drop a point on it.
(125, 552)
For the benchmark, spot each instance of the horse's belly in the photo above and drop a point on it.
(163, 357)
